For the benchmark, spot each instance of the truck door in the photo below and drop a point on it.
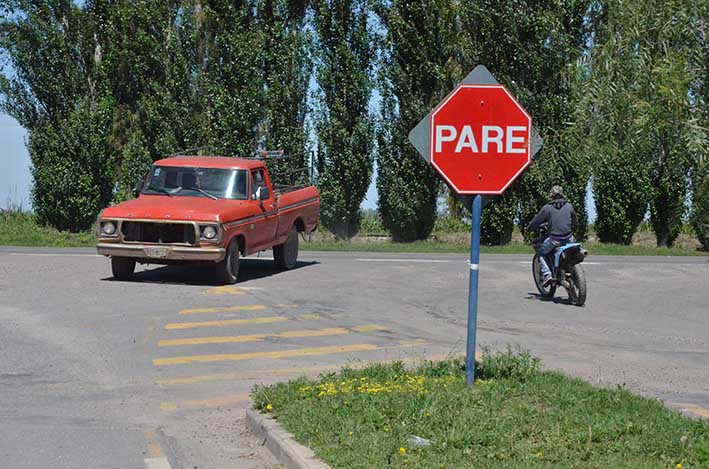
(265, 224)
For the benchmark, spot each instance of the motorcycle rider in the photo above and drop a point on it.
(560, 216)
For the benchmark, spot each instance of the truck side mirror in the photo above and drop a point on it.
(264, 194)
(138, 188)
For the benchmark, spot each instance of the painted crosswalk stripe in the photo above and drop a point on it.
(303, 352)
(211, 402)
(273, 335)
(224, 309)
(277, 373)
(236, 322)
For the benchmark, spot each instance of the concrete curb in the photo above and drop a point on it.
(281, 443)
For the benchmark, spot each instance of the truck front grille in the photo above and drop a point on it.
(151, 232)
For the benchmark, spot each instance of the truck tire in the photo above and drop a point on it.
(227, 270)
(286, 255)
(122, 268)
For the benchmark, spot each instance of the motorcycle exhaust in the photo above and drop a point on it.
(584, 252)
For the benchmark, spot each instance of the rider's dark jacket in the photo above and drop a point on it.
(560, 216)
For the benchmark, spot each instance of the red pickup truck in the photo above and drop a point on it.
(197, 209)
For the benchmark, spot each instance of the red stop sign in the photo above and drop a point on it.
(480, 139)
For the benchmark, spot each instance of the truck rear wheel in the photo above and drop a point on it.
(227, 270)
(286, 255)
(122, 268)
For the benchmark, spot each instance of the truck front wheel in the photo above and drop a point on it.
(286, 255)
(122, 268)
(227, 270)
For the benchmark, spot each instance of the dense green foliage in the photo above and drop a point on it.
(518, 41)
(618, 91)
(516, 415)
(345, 128)
(418, 69)
(645, 132)
(700, 205)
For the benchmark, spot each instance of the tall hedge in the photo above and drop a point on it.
(345, 51)
(418, 69)
(71, 166)
(286, 70)
(532, 48)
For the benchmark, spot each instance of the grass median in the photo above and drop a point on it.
(515, 416)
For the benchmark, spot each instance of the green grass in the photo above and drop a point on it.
(21, 229)
(515, 416)
(514, 248)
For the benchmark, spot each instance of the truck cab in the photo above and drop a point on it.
(207, 210)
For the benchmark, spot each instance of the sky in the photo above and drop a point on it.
(15, 178)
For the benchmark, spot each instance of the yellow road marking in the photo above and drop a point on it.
(224, 309)
(154, 448)
(303, 352)
(275, 354)
(229, 290)
(695, 409)
(225, 290)
(234, 322)
(413, 342)
(274, 372)
(305, 317)
(279, 353)
(211, 402)
(286, 306)
(257, 337)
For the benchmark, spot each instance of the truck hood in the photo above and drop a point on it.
(161, 207)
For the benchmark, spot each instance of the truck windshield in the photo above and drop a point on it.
(197, 182)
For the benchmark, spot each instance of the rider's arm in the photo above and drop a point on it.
(540, 218)
(573, 215)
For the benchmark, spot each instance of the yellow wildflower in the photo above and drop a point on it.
(402, 450)
(269, 407)
(540, 454)
(679, 466)
(349, 433)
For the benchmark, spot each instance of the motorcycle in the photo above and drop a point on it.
(565, 265)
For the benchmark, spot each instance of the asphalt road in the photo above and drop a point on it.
(156, 372)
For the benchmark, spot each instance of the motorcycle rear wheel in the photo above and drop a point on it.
(578, 283)
(549, 290)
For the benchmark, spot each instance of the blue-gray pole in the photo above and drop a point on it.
(473, 290)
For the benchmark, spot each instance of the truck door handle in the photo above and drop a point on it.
(272, 206)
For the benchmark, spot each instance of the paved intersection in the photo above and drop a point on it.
(157, 371)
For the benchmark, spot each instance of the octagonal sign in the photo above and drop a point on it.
(480, 139)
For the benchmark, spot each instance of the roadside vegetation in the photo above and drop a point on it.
(618, 92)
(517, 415)
(20, 228)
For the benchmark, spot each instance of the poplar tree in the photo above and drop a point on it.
(419, 68)
(345, 52)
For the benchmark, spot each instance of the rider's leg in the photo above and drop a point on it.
(547, 246)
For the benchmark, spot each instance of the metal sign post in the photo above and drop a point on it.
(476, 210)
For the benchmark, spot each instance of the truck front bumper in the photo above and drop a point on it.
(157, 253)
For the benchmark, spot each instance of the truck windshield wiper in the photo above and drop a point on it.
(161, 190)
(200, 190)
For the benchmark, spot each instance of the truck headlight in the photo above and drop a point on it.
(209, 232)
(108, 228)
